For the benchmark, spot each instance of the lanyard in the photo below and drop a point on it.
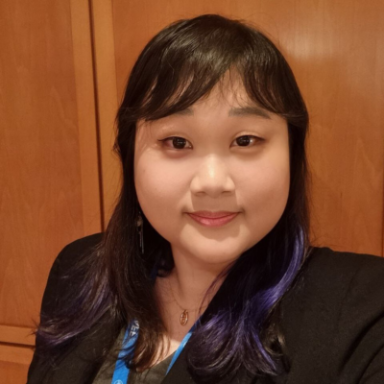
(121, 373)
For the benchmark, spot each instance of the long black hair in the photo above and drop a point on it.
(181, 64)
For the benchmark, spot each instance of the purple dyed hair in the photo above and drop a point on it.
(240, 328)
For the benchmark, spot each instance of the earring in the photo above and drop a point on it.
(140, 228)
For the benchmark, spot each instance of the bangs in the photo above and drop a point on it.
(185, 62)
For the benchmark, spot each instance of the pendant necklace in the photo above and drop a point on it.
(184, 316)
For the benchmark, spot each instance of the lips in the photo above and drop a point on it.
(213, 219)
(212, 215)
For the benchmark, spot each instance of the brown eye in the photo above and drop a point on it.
(176, 142)
(247, 140)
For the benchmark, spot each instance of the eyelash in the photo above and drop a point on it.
(255, 138)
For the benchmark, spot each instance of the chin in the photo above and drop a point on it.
(217, 257)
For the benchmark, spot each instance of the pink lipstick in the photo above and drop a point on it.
(213, 219)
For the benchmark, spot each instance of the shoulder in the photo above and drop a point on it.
(325, 260)
(67, 269)
(328, 272)
(333, 277)
(78, 355)
(77, 249)
(334, 316)
(328, 279)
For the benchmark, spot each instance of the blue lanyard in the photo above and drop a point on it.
(121, 373)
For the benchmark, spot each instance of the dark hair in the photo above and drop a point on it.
(180, 65)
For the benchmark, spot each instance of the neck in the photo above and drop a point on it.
(191, 282)
(190, 288)
(187, 288)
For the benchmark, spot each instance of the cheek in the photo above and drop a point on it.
(266, 194)
(149, 183)
(268, 184)
(159, 192)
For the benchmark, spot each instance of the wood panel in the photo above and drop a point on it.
(49, 183)
(49, 174)
(17, 335)
(89, 165)
(13, 372)
(337, 54)
(14, 363)
(15, 354)
(107, 101)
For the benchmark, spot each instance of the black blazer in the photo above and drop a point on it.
(332, 318)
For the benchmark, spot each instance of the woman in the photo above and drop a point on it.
(205, 273)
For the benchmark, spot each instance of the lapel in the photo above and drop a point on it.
(179, 374)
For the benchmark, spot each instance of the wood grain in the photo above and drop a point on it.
(46, 200)
(86, 114)
(107, 101)
(13, 373)
(16, 354)
(17, 335)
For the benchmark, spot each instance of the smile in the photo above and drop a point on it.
(213, 219)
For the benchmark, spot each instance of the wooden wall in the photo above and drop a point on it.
(49, 173)
(63, 69)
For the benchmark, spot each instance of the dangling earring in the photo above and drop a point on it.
(140, 229)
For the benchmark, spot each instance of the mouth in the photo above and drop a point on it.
(213, 219)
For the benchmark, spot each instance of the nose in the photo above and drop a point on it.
(212, 177)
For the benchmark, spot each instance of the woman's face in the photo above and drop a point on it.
(225, 155)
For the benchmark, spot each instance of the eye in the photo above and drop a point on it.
(176, 142)
(247, 140)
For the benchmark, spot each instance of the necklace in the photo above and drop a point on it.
(184, 316)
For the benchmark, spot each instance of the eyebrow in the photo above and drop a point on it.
(242, 111)
(246, 111)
